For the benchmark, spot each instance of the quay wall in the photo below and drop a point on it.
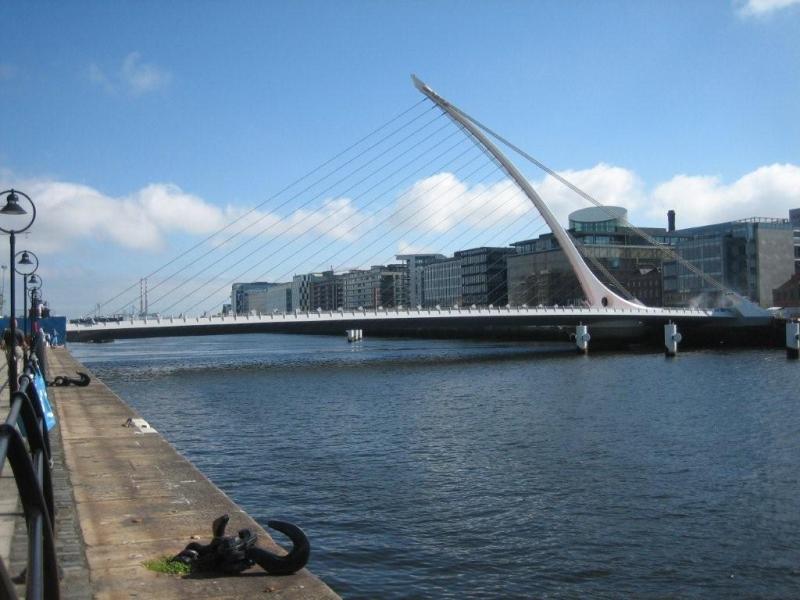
(136, 498)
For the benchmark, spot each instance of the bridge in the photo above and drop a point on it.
(605, 311)
(522, 322)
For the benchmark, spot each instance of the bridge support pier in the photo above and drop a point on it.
(582, 338)
(353, 335)
(671, 339)
(793, 339)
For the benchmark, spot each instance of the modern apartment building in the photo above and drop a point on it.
(327, 291)
(380, 285)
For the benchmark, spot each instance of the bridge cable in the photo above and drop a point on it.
(335, 212)
(309, 244)
(406, 165)
(586, 196)
(298, 208)
(377, 226)
(296, 195)
(274, 196)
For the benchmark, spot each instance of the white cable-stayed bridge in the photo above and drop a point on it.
(432, 177)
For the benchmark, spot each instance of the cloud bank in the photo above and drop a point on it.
(761, 8)
(440, 202)
(71, 213)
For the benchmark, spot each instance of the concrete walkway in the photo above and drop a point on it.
(10, 509)
(136, 498)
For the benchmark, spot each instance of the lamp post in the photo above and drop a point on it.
(23, 258)
(3, 290)
(19, 220)
(35, 286)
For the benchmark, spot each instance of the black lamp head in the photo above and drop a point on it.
(12, 206)
(25, 259)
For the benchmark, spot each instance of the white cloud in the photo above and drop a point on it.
(441, 202)
(133, 76)
(760, 8)
(70, 213)
(769, 191)
(606, 183)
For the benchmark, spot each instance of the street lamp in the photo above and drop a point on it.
(3, 290)
(24, 260)
(19, 220)
(34, 287)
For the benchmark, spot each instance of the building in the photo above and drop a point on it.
(539, 272)
(794, 219)
(278, 299)
(301, 291)
(483, 276)
(247, 297)
(415, 265)
(751, 256)
(442, 283)
(787, 294)
(327, 291)
(380, 285)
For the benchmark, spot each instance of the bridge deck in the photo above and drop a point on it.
(376, 321)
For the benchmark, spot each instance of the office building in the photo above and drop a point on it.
(248, 297)
(483, 276)
(415, 265)
(751, 257)
(539, 272)
(442, 283)
(278, 299)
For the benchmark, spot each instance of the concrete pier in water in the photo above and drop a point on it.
(125, 496)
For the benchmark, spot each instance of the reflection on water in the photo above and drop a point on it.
(456, 469)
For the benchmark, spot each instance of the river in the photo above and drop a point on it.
(467, 469)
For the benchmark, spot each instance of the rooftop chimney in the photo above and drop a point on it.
(670, 220)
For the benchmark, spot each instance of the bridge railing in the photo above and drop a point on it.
(25, 443)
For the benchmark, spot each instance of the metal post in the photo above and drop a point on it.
(25, 306)
(793, 339)
(13, 379)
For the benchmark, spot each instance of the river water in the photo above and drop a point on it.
(463, 469)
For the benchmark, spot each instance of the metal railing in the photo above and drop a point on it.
(25, 442)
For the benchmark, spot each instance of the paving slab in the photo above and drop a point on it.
(136, 498)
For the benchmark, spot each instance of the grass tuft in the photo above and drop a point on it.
(165, 564)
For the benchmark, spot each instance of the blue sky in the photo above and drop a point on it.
(203, 106)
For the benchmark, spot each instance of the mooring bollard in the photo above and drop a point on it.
(671, 339)
(582, 338)
(792, 339)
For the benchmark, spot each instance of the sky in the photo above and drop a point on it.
(140, 129)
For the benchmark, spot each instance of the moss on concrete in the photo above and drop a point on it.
(165, 564)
